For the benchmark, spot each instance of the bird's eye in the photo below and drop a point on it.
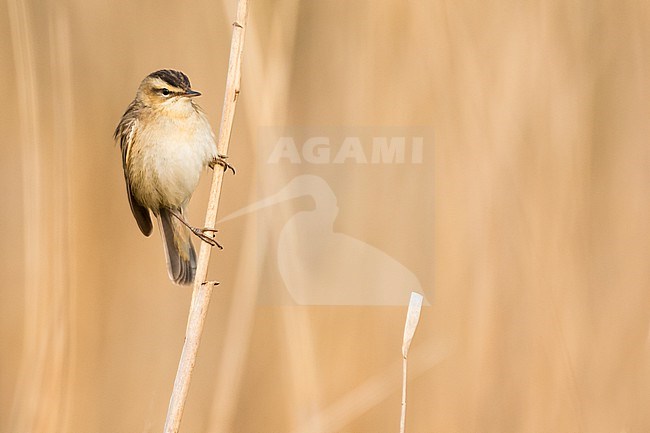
(165, 92)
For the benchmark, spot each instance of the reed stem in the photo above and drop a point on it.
(202, 290)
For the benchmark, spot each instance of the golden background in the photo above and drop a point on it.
(540, 185)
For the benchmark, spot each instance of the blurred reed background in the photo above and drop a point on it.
(540, 184)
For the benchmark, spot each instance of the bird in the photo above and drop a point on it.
(166, 142)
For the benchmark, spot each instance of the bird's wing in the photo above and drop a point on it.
(125, 133)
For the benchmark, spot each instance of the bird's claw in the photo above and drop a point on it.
(201, 234)
(221, 160)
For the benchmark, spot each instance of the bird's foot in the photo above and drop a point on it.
(199, 233)
(221, 160)
(208, 239)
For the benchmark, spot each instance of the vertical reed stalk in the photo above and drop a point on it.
(202, 290)
(412, 319)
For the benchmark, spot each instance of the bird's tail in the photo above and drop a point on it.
(179, 251)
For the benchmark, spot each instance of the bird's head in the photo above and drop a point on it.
(166, 88)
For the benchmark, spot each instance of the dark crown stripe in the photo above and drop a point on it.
(173, 78)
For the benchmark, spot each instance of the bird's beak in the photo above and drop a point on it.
(191, 93)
